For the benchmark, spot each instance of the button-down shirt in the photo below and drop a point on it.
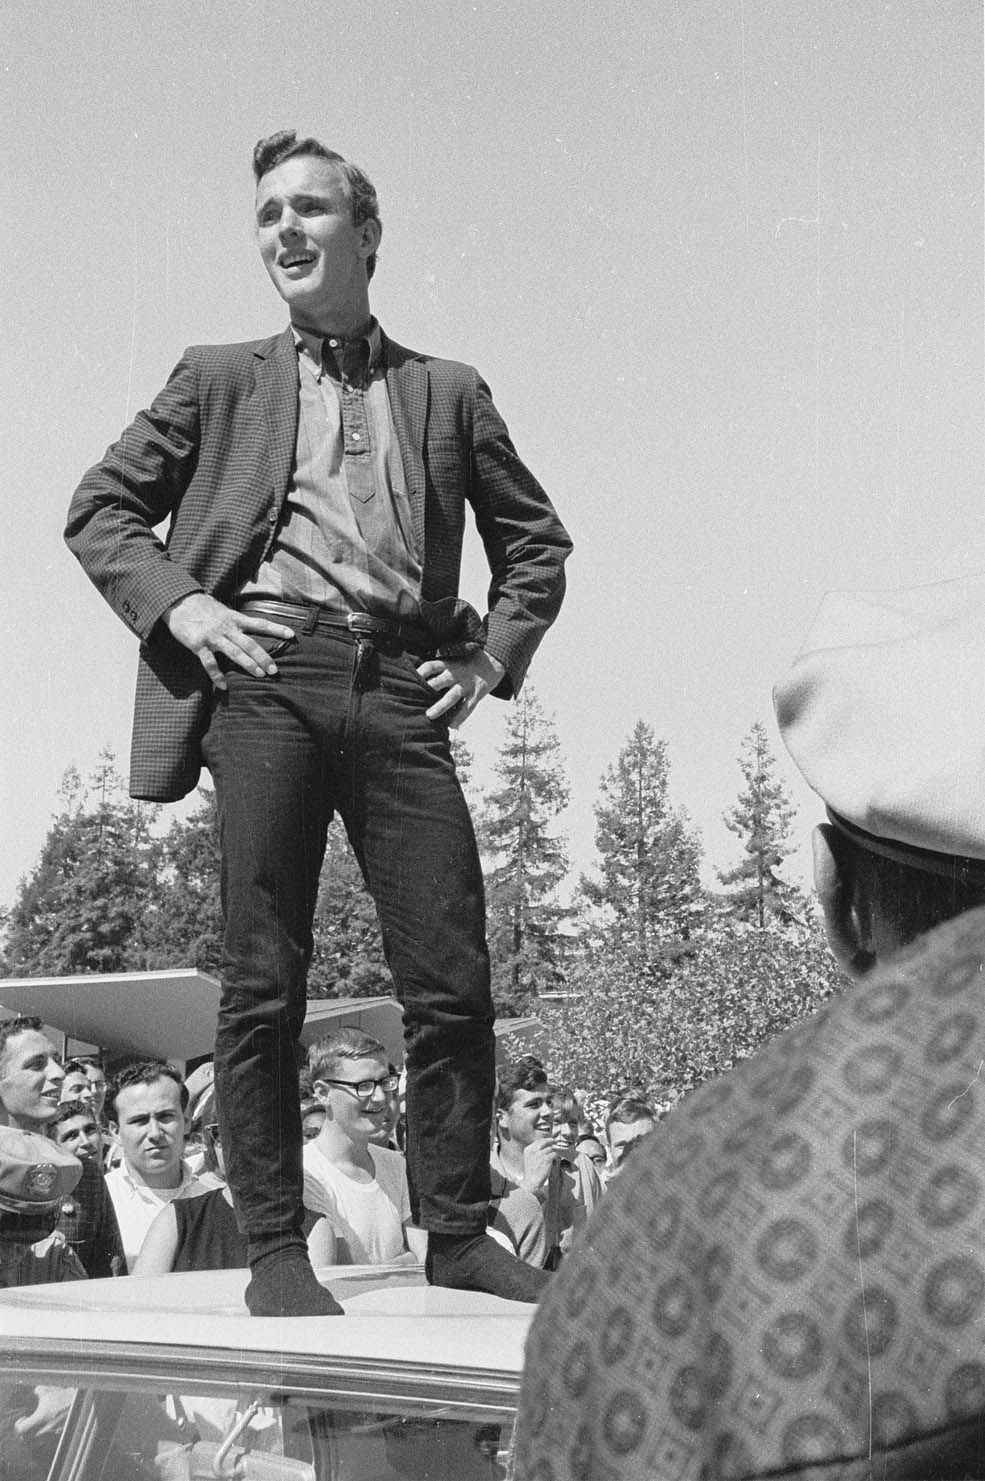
(137, 1206)
(345, 539)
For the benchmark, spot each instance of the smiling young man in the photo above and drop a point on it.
(146, 1112)
(359, 1188)
(303, 637)
(531, 1155)
(31, 1080)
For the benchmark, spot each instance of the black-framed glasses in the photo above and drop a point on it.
(364, 1088)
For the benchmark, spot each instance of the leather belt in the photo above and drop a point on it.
(360, 626)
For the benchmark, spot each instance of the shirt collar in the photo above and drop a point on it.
(152, 1195)
(314, 344)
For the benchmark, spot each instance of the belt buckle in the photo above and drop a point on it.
(362, 625)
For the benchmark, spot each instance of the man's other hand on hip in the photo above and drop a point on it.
(461, 683)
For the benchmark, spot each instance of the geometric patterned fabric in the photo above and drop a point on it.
(789, 1279)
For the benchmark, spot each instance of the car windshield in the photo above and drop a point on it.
(115, 1431)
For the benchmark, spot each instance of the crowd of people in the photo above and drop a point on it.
(151, 1196)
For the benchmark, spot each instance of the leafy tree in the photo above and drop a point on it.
(739, 989)
(187, 929)
(648, 899)
(761, 817)
(90, 901)
(526, 860)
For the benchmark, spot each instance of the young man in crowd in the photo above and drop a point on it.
(76, 1085)
(303, 636)
(31, 1079)
(628, 1120)
(146, 1111)
(530, 1156)
(76, 1130)
(359, 1187)
(790, 1279)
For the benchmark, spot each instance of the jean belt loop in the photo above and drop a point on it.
(310, 621)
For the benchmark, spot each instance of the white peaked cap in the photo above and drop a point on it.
(884, 713)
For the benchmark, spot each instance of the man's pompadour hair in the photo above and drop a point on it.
(359, 189)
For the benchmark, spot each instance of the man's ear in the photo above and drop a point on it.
(320, 1090)
(370, 234)
(848, 941)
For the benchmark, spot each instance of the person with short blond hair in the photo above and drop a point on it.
(359, 1189)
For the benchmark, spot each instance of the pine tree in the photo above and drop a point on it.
(648, 899)
(348, 958)
(90, 901)
(526, 860)
(761, 817)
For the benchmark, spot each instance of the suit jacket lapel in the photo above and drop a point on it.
(407, 388)
(277, 383)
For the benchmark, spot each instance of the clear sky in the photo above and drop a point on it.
(720, 261)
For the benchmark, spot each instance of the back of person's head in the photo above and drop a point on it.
(142, 1072)
(359, 190)
(525, 1073)
(882, 712)
(10, 1028)
(329, 1054)
(901, 899)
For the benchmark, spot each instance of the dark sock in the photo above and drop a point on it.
(283, 1283)
(477, 1262)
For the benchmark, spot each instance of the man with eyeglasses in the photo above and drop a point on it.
(359, 1188)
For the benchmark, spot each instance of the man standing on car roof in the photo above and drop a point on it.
(303, 636)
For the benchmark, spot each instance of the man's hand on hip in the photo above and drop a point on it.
(209, 629)
(461, 683)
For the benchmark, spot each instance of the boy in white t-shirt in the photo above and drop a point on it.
(360, 1189)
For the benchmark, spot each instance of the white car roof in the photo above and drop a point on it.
(391, 1315)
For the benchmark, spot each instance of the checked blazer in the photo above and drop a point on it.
(213, 456)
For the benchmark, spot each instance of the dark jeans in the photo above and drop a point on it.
(285, 754)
